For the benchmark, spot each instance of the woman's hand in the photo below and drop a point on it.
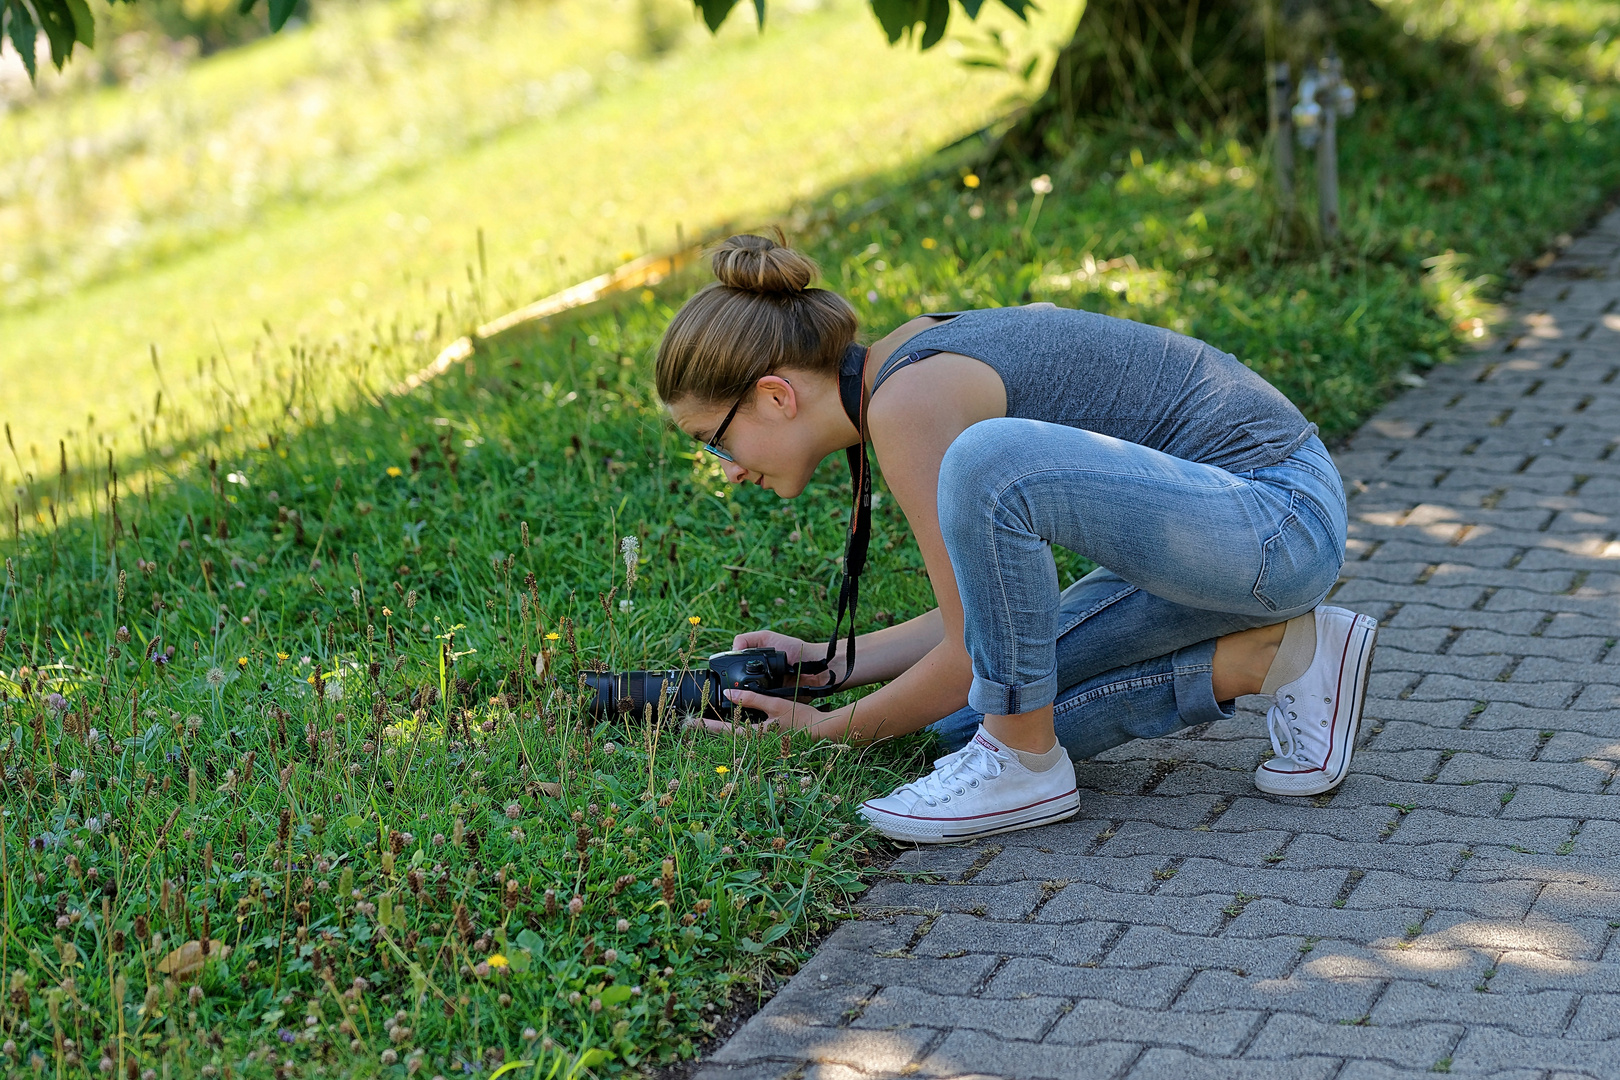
(781, 714)
(793, 648)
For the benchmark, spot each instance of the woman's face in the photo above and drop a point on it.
(771, 442)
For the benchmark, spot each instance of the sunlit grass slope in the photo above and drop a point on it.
(327, 181)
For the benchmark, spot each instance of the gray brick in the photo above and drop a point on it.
(809, 1001)
(1431, 826)
(1480, 800)
(1199, 876)
(972, 1052)
(1540, 1013)
(1211, 1033)
(1520, 971)
(942, 976)
(1112, 777)
(1142, 946)
(1508, 899)
(1197, 778)
(1579, 746)
(1486, 1048)
(1347, 823)
(1333, 998)
(1380, 1070)
(1458, 969)
(997, 901)
(1566, 900)
(1036, 864)
(1178, 812)
(1411, 860)
(1151, 987)
(1467, 768)
(1412, 1045)
(1274, 918)
(1517, 744)
(1536, 802)
(899, 1007)
(753, 1070)
(1598, 1017)
(955, 935)
(874, 935)
(1242, 849)
(945, 863)
(1087, 903)
(1581, 939)
(767, 1037)
(1165, 1064)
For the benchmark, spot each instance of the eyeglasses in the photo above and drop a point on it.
(713, 445)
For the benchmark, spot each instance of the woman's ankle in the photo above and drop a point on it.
(1031, 732)
(1242, 660)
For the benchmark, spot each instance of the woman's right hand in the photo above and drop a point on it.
(796, 651)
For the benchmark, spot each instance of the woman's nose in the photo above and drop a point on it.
(734, 472)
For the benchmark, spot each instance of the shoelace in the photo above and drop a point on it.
(974, 760)
(1279, 724)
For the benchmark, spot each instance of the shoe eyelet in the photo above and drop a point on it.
(1324, 723)
(1328, 700)
(1290, 698)
(1293, 716)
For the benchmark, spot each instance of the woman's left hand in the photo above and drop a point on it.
(780, 714)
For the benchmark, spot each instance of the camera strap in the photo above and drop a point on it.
(852, 393)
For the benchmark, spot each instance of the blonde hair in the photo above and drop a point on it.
(758, 316)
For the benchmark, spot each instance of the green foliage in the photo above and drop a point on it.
(924, 19)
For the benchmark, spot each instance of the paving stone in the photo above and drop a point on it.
(1539, 802)
(1542, 1013)
(1087, 903)
(1198, 877)
(1211, 1033)
(1471, 768)
(942, 975)
(1477, 800)
(1413, 1045)
(1429, 826)
(1515, 744)
(874, 935)
(1348, 823)
(1275, 918)
(1486, 1048)
(1521, 971)
(1578, 939)
(812, 1002)
(897, 1007)
(1336, 998)
(1133, 874)
(956, 935)
(1597, 1017)
(767, 1037)
(973, 1052)
(946, 863)
(1411, 860)
(1457, 969)
(997, 901)
(1165, 1064)
(1381, 1070)
(1510, 899)
(1150, 987)
(1241, 849)
(753, 1070)
(1142, 946)
(1580, 746)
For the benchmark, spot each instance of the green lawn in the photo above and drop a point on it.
(334, 180)
(354, 622)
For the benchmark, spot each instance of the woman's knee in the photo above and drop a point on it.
(976, 468)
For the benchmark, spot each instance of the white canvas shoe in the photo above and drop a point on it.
(1315, 718)
(981, 789)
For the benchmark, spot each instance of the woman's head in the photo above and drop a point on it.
(761, 336)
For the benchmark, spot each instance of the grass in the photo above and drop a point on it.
(335, 178)
(214, 791)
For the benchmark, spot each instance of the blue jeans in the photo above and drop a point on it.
(1186, 553)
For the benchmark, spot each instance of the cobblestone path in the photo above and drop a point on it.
(1452, 906)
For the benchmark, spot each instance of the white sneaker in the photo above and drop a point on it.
(981, 789)
(1315, 719)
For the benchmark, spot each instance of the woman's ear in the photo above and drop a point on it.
(775, 392)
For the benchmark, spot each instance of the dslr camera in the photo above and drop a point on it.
(694, 691)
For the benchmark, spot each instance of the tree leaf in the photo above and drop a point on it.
(939, 16)
(84, 23)
(759, 10)
(715, 12)
(972, 7)
(617, 994)
(20, 28)
(188, 959)
(280, 12)
(56, 19)
(898, 16)
(1020, 8)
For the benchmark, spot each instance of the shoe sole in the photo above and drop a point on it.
(1329, 781)
(917, 830)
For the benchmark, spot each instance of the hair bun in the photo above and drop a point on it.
(760, 264)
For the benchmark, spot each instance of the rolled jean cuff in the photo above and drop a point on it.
(1194, 681)
(998, 699)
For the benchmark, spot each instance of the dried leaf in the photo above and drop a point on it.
(551, 788)
(188, 959)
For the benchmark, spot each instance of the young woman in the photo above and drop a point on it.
(1213, 510)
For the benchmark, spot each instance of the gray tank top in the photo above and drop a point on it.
(1135, 382)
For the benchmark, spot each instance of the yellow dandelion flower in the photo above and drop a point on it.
(283, 656)
(553, 636)
(241, 661)
(930, 243)
(310, 680)
(395, 470)
(970, 180)
(694, 619)
(496, 960)
(721, 769)
(387, 614)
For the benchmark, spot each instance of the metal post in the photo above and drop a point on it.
(1282, 132)
(1327, 150)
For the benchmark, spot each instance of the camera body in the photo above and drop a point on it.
(687, 692)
